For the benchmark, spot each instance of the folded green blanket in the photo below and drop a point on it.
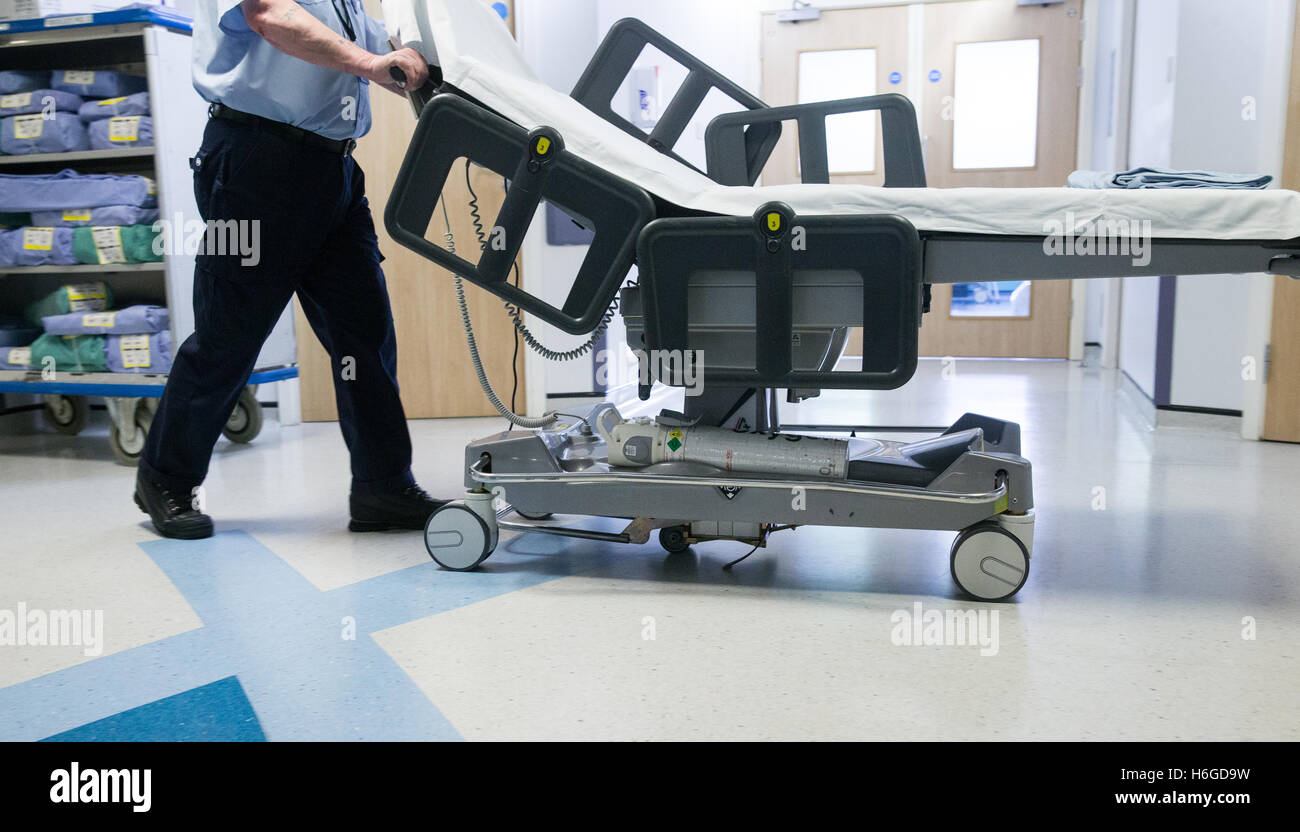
(71, 353)
(102, 245)
(91, 296)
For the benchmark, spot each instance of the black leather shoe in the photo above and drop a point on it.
(172, 512)
(407, 509)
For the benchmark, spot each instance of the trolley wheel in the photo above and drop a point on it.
(988, 562)
(127, 448)
(149, 408)
(457, 537)
(245, 421)
(66, 414)
(673, 538)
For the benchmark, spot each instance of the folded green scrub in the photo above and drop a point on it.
(71, 353)
(92, 296)
(107, 244)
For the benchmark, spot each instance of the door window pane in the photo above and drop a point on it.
(995, 106)
(991, 299)
(832, 74)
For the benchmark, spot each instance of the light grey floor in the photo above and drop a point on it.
(1163, 600)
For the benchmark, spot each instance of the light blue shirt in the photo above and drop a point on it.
(235, 66)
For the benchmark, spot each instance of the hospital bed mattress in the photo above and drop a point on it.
(477, 55)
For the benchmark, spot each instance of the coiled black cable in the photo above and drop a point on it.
(516, 315)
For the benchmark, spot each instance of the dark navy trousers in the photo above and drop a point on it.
(316, 238)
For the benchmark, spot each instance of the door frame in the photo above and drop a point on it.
(915, 90)
(1255, 401)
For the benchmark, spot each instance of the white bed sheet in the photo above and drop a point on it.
(477, 54)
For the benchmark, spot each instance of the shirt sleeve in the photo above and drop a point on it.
(376, 37)
(229, 15)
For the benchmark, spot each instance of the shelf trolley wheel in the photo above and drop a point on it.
(673, 538)
(458, 538)
(66, 414)
(245, 421)
(130, 428)
(988, 562)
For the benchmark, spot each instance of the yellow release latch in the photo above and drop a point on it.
(773, 221)
(543, 145)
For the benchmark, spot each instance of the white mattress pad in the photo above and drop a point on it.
(478, 55)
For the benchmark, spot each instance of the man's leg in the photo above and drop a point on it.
(345, 298)
(231, 322)
(261, 188)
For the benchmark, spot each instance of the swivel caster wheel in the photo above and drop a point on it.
(673, 539)
(66, 414)
(127, 445)
(458, 538)
(988, 562)
(245, 421)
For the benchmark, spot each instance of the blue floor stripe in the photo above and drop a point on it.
(219, 712)
(265, 623)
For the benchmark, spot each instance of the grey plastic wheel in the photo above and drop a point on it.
(245, 421)
(673, 538)
(66, 414)
(127, 448)
(988, 562)
(457, 538)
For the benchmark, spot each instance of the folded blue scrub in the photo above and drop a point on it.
(35, 133)
(139, 353)
(15, 358)
(19, 80)
(133, 320)
(104, 215)
(36, 246)
(1143, 178)
(123, 105)
(35, 101)
(121, 131)
(69, 189)
(98, 83)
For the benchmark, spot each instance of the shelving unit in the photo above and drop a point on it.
(152, 42)
(44, 159)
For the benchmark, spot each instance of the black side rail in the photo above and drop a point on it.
(537, 167)
(726, 142)
(612, 63)
(774, 245)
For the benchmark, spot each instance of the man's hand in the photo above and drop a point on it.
(412, 64)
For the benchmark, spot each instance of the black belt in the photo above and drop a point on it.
(287, 131)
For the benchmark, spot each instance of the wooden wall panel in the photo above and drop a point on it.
(433, 365)
(1282, 405)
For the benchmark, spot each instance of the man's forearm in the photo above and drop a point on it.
(288, 27)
